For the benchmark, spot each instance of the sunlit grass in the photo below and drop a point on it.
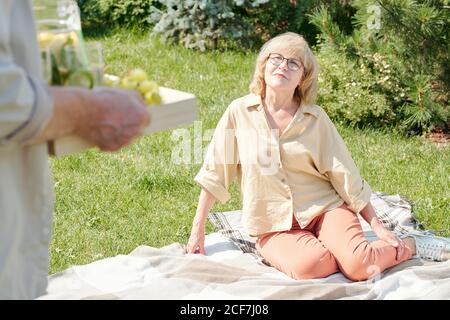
(108, 204)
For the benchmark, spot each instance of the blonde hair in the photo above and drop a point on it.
(296, 46)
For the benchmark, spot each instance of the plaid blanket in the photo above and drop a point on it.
(393, 211)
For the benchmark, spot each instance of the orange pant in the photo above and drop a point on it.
(332, 242)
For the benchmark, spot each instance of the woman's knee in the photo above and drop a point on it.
(321, 267)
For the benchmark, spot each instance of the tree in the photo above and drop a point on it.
(412, 38)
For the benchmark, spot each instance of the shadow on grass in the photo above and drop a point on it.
(95, 31)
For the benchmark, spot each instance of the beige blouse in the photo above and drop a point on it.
(306, 171)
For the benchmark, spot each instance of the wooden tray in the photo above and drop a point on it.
(178, 108)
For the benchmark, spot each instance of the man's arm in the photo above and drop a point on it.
(108, 118)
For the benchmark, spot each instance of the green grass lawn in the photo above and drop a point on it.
(108, 204)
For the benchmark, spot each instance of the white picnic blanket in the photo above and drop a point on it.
(228, 273)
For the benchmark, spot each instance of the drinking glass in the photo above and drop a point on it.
(94, 54)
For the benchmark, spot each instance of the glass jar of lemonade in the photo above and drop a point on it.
(63, 51)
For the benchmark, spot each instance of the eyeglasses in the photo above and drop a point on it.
(276, 59)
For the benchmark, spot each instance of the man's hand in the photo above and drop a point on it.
(113, 119)
(106, 117)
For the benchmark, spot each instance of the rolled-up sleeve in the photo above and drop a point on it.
(337, 163)
(26, 104)
(221, 162)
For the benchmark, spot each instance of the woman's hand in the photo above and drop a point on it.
(368, 213)
(389, 237)
(196, 243)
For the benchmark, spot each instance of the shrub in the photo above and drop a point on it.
(347, 91)
(203, 24)
(405, 57)
(95, 13)
(278, 16)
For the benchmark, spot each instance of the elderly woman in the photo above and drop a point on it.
(300, 188)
